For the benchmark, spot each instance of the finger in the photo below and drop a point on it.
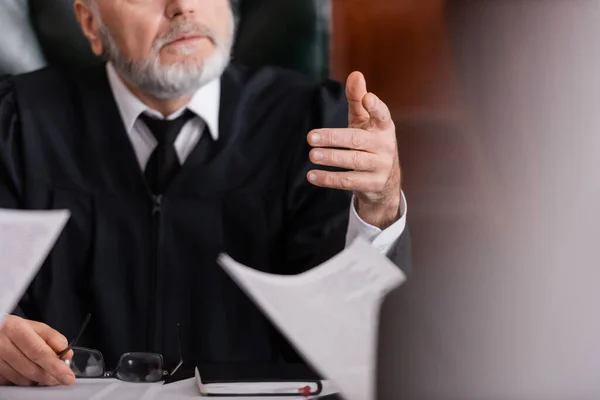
(348, 159)
(345, 138)
(354, 181)
(379, 113)
(24, 366)
(30, 342)
(356, 89)
(53, 338)
(12, 376)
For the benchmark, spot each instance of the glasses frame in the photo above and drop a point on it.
(106, 374)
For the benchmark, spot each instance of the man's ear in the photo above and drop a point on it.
(89, 26)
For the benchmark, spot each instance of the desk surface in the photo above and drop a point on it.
(181, 386)
(110, 389)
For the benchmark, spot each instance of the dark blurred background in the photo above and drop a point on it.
(410, 60)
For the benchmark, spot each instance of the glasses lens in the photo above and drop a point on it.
(87, 363)
(140, 367)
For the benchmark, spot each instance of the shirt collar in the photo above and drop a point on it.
(204, 103)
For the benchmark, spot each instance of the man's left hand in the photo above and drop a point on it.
(368, 150)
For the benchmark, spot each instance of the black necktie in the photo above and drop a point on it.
(164, 163)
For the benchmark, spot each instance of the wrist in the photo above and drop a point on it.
(380, 214)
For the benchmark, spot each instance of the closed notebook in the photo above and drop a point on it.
(255, 388)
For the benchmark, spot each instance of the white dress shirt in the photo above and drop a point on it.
(205, 104)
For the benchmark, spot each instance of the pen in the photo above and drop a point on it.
(62, 353)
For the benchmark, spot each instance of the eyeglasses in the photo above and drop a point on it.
(132, 367)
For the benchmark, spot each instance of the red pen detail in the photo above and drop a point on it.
(305, 391)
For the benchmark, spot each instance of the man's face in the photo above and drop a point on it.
(178, 31)
(164, 47)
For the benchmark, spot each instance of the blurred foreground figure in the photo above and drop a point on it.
(511, 313)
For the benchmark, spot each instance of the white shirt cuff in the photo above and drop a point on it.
(383, 240)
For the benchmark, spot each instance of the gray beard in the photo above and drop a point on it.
(173, 81)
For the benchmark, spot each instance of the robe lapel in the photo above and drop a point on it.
(117, 165)
(205, 176)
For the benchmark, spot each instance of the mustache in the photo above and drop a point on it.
(183, 28)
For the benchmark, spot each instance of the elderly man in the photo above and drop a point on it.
(166, 157)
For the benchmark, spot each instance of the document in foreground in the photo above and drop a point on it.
(330, 313)
(26, 238)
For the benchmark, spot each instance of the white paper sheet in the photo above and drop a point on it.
(330, 313)
(85, 389)
(26, 238)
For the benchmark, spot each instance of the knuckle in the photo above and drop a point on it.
(334, 157)
(330, 180)
(11, 325)
(357, 139)
(357, 161)
(333, 137)
(37, 353)
(44, 327)
(347, 183)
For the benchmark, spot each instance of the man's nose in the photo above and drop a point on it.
(177, 8)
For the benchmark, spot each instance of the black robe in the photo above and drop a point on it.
(140, 269)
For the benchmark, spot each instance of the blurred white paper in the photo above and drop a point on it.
(330, 313)
(26, 238)
(85, 389)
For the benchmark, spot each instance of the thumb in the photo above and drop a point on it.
(356, 90)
